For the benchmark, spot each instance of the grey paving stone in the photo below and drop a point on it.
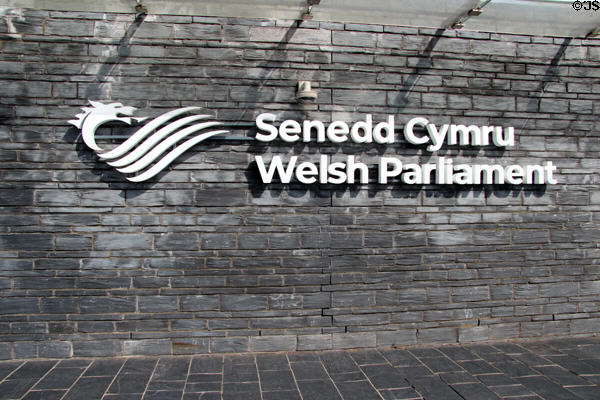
(171, 369)
(241, 387)
(241, 396)
(475, 391)
(277, 380)
(163, 395)
(129, 396)
(129, 383)
(44, 395)
(368, 357)
(348, 376)
(357, 390)
(303, 356)
(531, 359)
(284, 394)
(240, 373)
(573, 364)
(7, 367)
(586, 392)
(415, 372)
(108, 367)
(336, 362)
(202, 396)
(476, 367)
(270, 362)
(545, 388)
(205, 364)
(441, 364)
(318, 390)
(400, 394)
(515, 369)
(88, 388)
(496, 379)
(59, 378)
(198, 387)
(166, 385)
(457, 377)
(15, 388)
(309, 370)
(33, 370)
(401, 358)
(458, 353)
(139, 366)
(433, 387)
(511, 390)
(384, 376)
(561, 376)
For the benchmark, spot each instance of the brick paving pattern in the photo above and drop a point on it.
(565, 369)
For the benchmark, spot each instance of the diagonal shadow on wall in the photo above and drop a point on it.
(551, 75)
(422, 65)
(267, 69)
(123, 52)
(72, 135)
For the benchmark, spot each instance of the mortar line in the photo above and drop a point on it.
(187, 377)
(260, 391)
(367, 376)
(81, 375)
(39, 380)
(151, 376)
(294, 376)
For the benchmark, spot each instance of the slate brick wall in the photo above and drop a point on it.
(204, 258)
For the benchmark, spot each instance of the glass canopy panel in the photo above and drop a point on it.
(426, 13)
(535, 17)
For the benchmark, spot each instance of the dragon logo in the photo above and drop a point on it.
(143, 154)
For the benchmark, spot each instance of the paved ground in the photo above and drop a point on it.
(565, 369)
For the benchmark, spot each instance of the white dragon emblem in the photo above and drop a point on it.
(149, 142)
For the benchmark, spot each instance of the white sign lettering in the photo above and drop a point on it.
(442, 172)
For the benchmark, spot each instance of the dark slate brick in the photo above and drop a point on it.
(199, 303)
(177, 241)
(243, 302)
(220, 197)
(216, 241)
(26, 241)
(123, 241)
(59, 305)
(357, 39)
(156, 304)
(229, 345)
(19, 305)
(107, 304)
(16, 197)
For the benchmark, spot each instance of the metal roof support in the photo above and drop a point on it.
(594, 33)
(473, 12)
(308, 14)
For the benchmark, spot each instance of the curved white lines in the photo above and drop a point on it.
(155, 138)
(148, 144)
(144, 131)
(164, 146)
(172, 155)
